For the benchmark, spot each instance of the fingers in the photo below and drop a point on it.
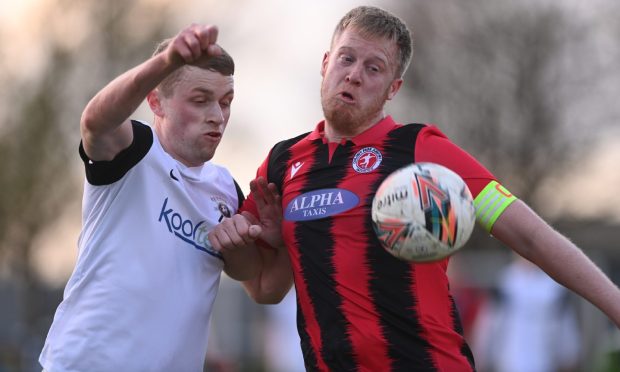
(269, 208)
(264, 193)
(274, 193)
(250, 217)
(254, 229)
(195, 42)
(214, 50)
(208, 38)
(233, 233)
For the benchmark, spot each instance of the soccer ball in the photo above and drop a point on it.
(423, 212)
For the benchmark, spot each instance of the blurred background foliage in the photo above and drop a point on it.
(529, 87)
(520, 86)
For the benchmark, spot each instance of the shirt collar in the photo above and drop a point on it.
(368, 136)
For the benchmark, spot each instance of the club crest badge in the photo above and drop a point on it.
(367, 160)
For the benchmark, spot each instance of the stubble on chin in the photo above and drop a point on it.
(208, 153)
(348, 120)
(339, 115)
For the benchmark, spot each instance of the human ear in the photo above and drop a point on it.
(394, 88)
(154, 102)
(324, 63)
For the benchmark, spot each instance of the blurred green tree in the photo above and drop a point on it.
(519, 84)
(85, 45)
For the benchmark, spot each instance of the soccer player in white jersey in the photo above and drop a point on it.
(141, 293)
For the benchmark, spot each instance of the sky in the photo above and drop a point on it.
(277, 74)
(278, 60)
(278, 82)
(278, 46)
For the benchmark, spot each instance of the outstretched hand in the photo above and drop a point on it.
(269, 207)
(193, 44)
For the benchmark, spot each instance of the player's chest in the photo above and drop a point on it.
(323, 182)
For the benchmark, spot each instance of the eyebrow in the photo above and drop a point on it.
(210, 93)
(373, 57)
(205, 91)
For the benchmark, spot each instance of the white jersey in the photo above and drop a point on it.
(141, 294)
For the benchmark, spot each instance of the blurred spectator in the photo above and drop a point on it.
(530, 325)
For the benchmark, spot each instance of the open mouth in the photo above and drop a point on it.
(347, 97)
(214, 135)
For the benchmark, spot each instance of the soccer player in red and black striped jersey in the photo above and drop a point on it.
(359, 308)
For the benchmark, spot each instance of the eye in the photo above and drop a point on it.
(226, 101)
(199, 100)
(346, 59)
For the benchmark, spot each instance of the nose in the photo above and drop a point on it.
(354, 75)
(215, 114)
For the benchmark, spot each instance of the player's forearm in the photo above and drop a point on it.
(243, 263)
(274, 280)
(114, 104)
(527, 234)
(569, 266)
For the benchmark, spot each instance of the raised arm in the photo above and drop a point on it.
(525, 232)
(105, 126)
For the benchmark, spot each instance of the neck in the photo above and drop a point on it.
(337, 133)
(168, 147)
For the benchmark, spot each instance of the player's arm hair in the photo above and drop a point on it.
(275, 278)
(104, 125)
(520, 228)
(242, 264)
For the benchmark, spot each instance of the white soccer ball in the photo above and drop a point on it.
(423, 212)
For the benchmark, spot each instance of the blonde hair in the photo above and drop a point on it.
(376, 22)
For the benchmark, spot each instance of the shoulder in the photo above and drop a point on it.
(217, 175)
(276, 162)
(432, 131)
(406, 134)
(218, 169)
(223, 180)
(282, 147)
(433, 146)
(413, 128)
(107, 172)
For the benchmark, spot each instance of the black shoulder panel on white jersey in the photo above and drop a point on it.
(240, 196)
(101, 173)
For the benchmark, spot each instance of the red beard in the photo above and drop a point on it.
(346, 118)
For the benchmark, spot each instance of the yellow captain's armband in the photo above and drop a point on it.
(491, 202)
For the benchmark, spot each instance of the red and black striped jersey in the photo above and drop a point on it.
(360, 308)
